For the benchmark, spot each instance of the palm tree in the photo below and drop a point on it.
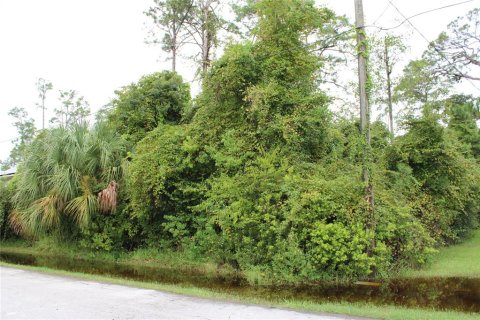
(63, 170)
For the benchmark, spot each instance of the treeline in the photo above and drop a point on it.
(257, 172)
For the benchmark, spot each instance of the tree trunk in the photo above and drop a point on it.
(174, 59)
(389, 89)
(43, 112)
(205, 41)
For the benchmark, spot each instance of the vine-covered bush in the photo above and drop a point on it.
(166, 183)
(264, 180)
(159, 98)
(448, 201)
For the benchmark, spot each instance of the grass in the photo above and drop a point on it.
(462, 260)
(353, 309)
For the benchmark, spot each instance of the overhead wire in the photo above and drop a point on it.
(407, 19)
(429, 42)
(381, 14)
(390, 3)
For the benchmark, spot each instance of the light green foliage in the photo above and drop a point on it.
(463, 113)
(172, 17)
(448, 59)
(159, 98)
(448, 202)
(74, 109)
(419, 84)
(57, 183)
(337, 249)
(26, 132)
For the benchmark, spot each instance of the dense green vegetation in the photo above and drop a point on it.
(258, 173)
(159, 98)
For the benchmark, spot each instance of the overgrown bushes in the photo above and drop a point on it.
(263, 180)
(258, 176)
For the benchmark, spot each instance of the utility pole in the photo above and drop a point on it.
(362, 70)
(362, 54)
(388, 71)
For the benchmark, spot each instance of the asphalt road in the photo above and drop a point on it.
(33, 295)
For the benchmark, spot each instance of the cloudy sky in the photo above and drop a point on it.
(97, 46)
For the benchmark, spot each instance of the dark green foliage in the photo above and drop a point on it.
(166, 182)
(117, 232)
(159, 98)
(6, 193)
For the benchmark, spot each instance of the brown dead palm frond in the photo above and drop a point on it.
(17, 222)
(48, 209)
(107, 198)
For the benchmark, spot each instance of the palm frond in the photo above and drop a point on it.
(58, 174)
(48, 210)
(82, 208)
(18, 222)
(65, 182)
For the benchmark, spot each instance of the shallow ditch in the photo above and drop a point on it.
(461, 294)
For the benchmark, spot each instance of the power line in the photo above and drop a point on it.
(417, 14)
(429, 42)
(408, 20)
(381, 14)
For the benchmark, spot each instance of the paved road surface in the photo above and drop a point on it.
(33, 295)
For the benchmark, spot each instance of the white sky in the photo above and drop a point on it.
(97, 46)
